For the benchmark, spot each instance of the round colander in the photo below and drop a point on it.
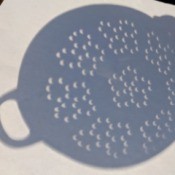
(98, 85)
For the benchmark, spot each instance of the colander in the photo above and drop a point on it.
(97, 84)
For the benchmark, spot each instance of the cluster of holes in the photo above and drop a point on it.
(157, 54)
(130, 89)
(120, 36)
(171, 91)
(111, 138)
(156, 130)
(85, 53)
(73, 99)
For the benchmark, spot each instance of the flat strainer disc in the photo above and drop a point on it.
(102, 86)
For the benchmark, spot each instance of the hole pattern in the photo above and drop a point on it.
(159, 54)
(171, 91)
(121, 36)
(84, 53)
(109, 137)
(157, 130)
(130, 89)
(73, 99)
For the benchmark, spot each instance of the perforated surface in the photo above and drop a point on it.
(100, 86)
(127, 120)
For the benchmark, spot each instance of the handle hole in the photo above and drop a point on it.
(12, 121)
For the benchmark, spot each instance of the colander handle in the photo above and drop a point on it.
(3, 135)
